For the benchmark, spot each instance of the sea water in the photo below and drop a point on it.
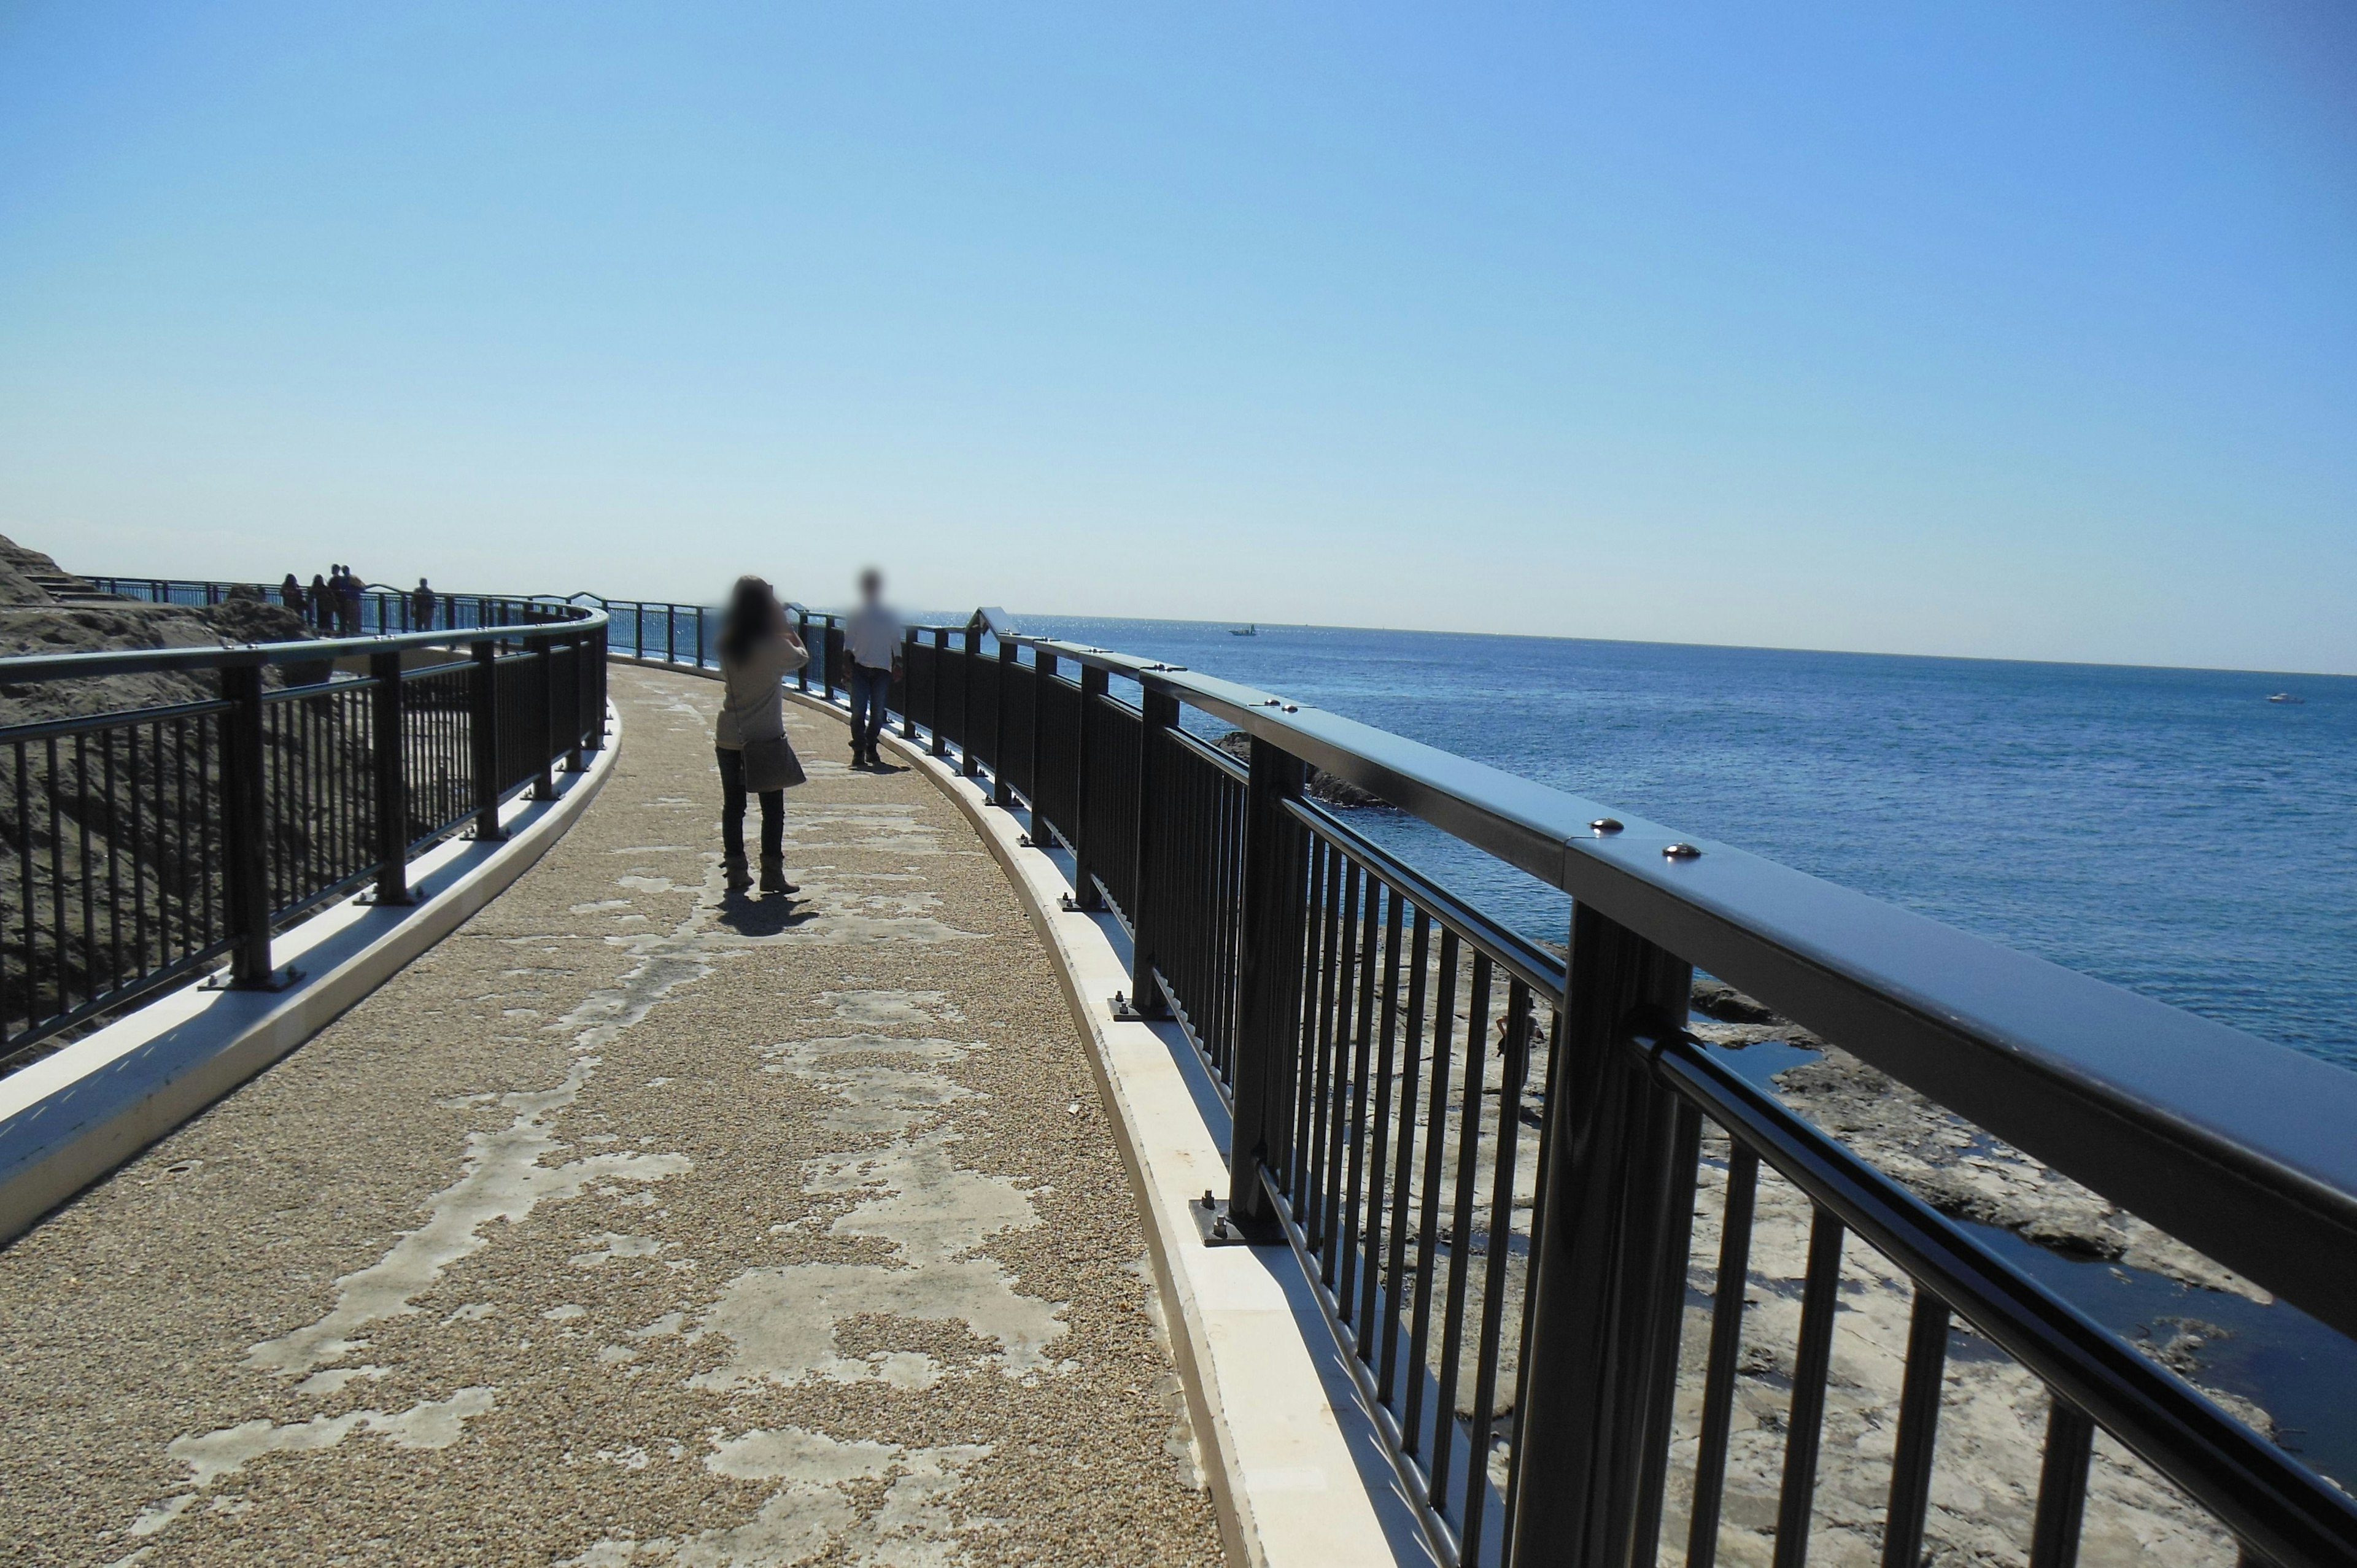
(2171, 831)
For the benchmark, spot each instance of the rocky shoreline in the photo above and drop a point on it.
(80, 809)
(1951, 1165)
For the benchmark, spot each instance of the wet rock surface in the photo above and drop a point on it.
(636, 1223)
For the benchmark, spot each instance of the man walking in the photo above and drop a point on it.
(421, 608)
(872, 637)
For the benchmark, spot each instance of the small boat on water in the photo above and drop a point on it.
(2290, 697)
(1254, 631)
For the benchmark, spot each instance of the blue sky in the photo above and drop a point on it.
(2025, 330)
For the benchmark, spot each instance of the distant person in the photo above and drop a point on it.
(323, 604)
(290, 593)
(873, 638)
(757, 651)
(351, 602)
(421, 606)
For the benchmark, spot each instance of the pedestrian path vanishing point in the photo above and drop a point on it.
(632, 1225)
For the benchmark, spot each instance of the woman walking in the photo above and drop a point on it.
(757, 651)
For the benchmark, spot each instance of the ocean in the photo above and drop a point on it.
(2170, 830)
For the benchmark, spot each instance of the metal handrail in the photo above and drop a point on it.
(2239, 1146)
(144, 843)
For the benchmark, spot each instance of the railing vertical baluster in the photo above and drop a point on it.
(1733, 1279)
(2062, 1489)
(392, 792)
(1811, 1362)
(1403, 1165)
(1349, 1173)
(1268, 973)
(483, 725)
(1595, 1402)
(671, 634)
(801, 629)
(1919, 1425)
(1374, 1232)
(1002, 794)
(245, 830)
(1148, 921)
(699, 637)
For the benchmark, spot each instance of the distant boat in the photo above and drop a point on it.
(1254, 631)
(2287, 697)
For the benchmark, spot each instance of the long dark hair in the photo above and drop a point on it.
(751, 616)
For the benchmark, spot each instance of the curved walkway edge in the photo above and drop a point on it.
(73, 1117)
(1302, 1475)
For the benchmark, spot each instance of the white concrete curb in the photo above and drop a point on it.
(1300, 1474)
(71, 1117)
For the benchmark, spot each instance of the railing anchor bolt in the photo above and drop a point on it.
(1681, 851)
(1123, 1012)
(1605, 825)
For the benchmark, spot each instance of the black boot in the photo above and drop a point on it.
(773, 875)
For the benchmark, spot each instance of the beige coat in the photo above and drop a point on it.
(753, 706)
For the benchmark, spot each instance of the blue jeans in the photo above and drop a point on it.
(870, 689)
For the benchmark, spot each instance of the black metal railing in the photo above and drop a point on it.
(1501, 1163)
(1493, 1157)
(143, 845)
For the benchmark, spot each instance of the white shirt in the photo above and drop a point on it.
(873, 635)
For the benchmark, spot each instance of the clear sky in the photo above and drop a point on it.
(2020, 329)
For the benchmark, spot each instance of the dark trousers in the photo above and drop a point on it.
(732, 810)
(870, 689)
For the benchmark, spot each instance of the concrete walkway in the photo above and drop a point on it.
(632, 1225)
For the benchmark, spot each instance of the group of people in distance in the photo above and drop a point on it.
(332, 603)
(759, 648)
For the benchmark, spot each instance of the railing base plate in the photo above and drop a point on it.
(1219, 1229)
(276, 980)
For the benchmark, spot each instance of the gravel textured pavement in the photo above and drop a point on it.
(633, 1224)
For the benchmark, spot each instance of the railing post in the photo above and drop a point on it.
(1158, 712)
(1607, 1265)
(392, 781)
(1267, 970)
(832, 644)
(671, 634)
(1001, 794)
(1043, 670)
(941, 646)
(967, 765)
(593, 694)
(483, 723)
(1093, 684)
(544, 743)
(582, 717)
(908, 683)
(699, 637)
(801, 629)
(245, 833)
